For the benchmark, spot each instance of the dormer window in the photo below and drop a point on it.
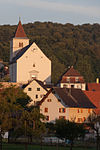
(20, 44)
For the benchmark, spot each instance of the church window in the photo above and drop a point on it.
(33, 65)
(20, 44)
(48, 100)
(29, 89)
(36, 96)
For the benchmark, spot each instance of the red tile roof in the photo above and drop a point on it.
(94, 97)
(93, 86)
(72, 72)
(20, 31)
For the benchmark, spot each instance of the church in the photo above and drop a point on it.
(27, 61)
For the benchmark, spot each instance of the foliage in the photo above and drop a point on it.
(94, 124)
(69, 130)
(65, 45)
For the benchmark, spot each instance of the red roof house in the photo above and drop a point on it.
(94, 97)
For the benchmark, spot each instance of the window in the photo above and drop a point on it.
(20, 44)
(45, 109)
(72, 86)
(36, 96)
(79, 119)
(41, 95)
(84, 118)
(62, 110)
(60, 117)
(47, 118)
(89, 111)
(48, 100)
(68, 79)
(38, 89)
(81, 110)
(78, 111)
(76, 79)
(29, 89)
(64, 86)
(33, 65)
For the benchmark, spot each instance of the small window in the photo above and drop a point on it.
(47, 118)
(79, 119)
(84, 118)
(72, 86)
(46, 110)
(48, 100)
(62, 110)
(38, 89)
(29, 89)
(20, 44)
(81, 110)
(89, 110)
(33, 65)
(78, 111)
(36, 96)
(60, 117)
(65, 86)
(68, 79)
(76, 79)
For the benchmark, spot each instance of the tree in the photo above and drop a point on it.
(12, 102)
(94, 124)
(69, 130)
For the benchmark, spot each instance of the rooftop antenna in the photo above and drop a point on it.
(19, 18)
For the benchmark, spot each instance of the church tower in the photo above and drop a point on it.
(19, 41)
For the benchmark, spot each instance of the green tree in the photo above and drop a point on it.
(94, 124)
(12, 102)
(69, 130)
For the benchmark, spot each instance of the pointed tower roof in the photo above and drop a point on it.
(20, 33)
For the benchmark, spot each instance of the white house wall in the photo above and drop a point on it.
(53, 108)
(33, 92)
(33, 60)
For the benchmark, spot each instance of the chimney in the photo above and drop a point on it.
(97, 80)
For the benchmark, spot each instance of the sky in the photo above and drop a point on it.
(61, 11)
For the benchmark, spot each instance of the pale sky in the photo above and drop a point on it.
(61, 11)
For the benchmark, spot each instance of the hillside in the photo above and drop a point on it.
(65, 45)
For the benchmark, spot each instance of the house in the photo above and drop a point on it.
(36, 90)
(70, 104)
(72, 78)
(27, 61)
(93, 86)
(94, 97)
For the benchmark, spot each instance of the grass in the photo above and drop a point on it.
(37, 147)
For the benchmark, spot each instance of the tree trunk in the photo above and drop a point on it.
(71, 145)
(0, 141)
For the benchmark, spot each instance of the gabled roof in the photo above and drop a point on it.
(71, 72)
(20, 53)
(71, 97)
(38, 81)
(93, 86)
(94, 96)
(20, 33)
